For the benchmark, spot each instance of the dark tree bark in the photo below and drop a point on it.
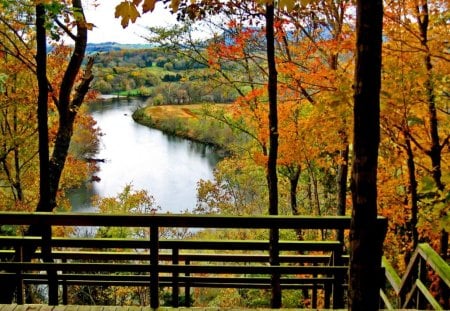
(365, 237)
(294, 176)
(342, 185)
(414, 197)
(41, 75)
(272, 178)
(68, 108)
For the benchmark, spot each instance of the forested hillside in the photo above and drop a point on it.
(167, 77)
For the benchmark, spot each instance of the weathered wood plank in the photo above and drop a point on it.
(186, 221)
(10, 307)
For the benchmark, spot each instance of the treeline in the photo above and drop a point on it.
(165, 78)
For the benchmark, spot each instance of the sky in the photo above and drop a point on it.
(108, 29)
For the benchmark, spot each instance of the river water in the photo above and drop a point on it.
(167, 167)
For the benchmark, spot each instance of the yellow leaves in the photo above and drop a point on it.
(149, 5)
(89, 26)
(128, 12)
(287, 4)
(174, 5)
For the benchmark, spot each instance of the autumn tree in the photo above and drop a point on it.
(415, 120)
(67, 100)
(19, 149)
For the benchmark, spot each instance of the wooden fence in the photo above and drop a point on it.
(318, 268)
(426, 270)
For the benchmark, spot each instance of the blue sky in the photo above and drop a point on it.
(107, 27)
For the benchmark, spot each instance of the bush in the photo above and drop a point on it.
(158, 99)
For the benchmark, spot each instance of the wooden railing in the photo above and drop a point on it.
(426, 269)
(317, 267)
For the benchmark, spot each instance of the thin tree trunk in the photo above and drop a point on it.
(436, 148)
(412, 193)
(294, 176)
(272, 178)
(17, 168)
(342, 185)
(41, 75)
(365, 237)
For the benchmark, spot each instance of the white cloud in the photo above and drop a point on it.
(108, 29)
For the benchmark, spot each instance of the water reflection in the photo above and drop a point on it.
(167, 167)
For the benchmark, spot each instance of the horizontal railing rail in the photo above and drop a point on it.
(154, 262)
(173, 221)
(413, 289)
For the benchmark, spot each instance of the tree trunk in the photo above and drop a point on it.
(41, 75)
(412, 194)
(294, 176)
(436, 148)
(51, 169)
(365, 237)
(68, 108)
(272, 178)
(6, 290)
(342, 185)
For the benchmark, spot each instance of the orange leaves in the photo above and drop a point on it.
(234, 46)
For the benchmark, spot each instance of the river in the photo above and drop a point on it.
(167, 167)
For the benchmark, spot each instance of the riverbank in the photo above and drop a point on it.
(185, 121)
(145, 158)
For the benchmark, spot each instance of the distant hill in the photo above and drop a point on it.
(113, 46)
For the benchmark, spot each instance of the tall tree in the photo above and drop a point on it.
(416, 127)
(422, 14)
(365, 238)
(66, 99)
(42, 108)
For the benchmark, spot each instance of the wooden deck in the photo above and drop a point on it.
(35, 307)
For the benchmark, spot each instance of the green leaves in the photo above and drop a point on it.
(3, 78)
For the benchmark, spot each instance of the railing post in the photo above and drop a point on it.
(314, 291)
(175, 285)
(19, 258)
(46, 248)
(187, 287)
(421, 275)
(327, 294)
(339, 279)
(154, 262)
(65, 294)
(274, 258)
